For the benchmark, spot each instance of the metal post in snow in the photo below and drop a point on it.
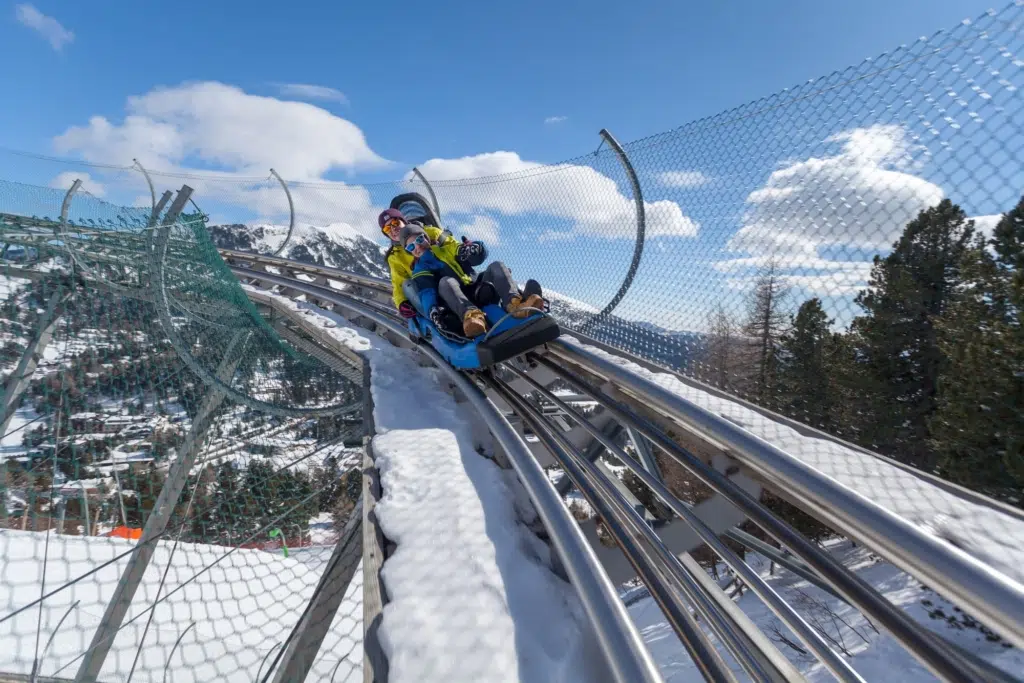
(119, 603)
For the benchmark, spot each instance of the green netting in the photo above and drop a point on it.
(154, 373)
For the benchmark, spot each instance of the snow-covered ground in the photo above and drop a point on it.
(991, 536)
(241, 608)
(875, 655)
(471, 596)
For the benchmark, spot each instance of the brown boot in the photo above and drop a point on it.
(522, 309)
(474, 323)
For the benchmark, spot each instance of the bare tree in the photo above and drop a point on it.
(767, 321)
(723, 357)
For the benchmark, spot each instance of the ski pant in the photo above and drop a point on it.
(493, 285)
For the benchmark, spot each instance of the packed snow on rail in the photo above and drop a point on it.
(506, 337)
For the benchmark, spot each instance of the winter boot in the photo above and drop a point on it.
(522, 309)
(474, 323)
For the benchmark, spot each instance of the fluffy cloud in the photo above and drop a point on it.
(311, 92)
(482, 228)
(64, 180)
(863, 196)
(555, 119)
(590, 200)
(46, 26)
(682, 178)
(219, 125)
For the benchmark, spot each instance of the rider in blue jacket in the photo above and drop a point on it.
(443, 273)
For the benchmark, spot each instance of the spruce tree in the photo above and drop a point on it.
(897, 355)
(978, 429)
(807, 367)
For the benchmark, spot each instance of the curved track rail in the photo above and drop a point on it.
(997, 599)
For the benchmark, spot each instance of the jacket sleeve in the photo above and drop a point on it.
(398, 276)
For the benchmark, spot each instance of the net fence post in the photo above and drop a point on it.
(20, 379)
(137, 564)
(430, 191)
(149, 181)
(291, 212)
(641, 228)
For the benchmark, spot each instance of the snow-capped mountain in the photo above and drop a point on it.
(336, 246)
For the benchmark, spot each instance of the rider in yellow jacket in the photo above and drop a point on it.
(400, 261)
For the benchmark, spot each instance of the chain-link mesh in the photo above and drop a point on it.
(757, 268)
(152, 373)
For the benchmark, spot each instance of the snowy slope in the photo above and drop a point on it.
(875, 655)
(995, 538)
(471, 595)
(242, 608)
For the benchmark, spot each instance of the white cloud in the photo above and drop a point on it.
(860, 197)
(174, 130)
(843, 278)
(482, 228)
(683, 178)
(590, 200)
(64, 180)
(555, 236)
(44, 25)
(311, 92)
(220, 125)
(555, 119)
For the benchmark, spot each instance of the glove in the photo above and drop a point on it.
(406, 310)
(437, 317)
(470, 253)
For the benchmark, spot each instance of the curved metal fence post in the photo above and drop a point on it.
(65, 206)
(430, 191)
(641, 229)
(291, 212)
(149, 181)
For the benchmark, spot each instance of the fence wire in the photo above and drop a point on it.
(846, 252)
(97, 424)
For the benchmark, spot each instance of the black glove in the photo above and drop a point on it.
(406, 310)
(471, 253)
(437, 317)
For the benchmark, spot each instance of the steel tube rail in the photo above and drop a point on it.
(653, 569)
(855, 590)
(628, 658)
(840, 667)
(331, 273)
(988, 595)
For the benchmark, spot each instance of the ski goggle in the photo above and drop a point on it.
(420, 239)
(391, 225)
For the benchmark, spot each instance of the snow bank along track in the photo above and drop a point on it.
(965, 546)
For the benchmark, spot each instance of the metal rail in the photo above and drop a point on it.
(994, 598)
(628, 658)
(975, 586)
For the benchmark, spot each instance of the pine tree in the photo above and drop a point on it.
(898, 360)
(807, 367)
(978, 428)
(766, 323)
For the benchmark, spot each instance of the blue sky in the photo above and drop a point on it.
(398, 84)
